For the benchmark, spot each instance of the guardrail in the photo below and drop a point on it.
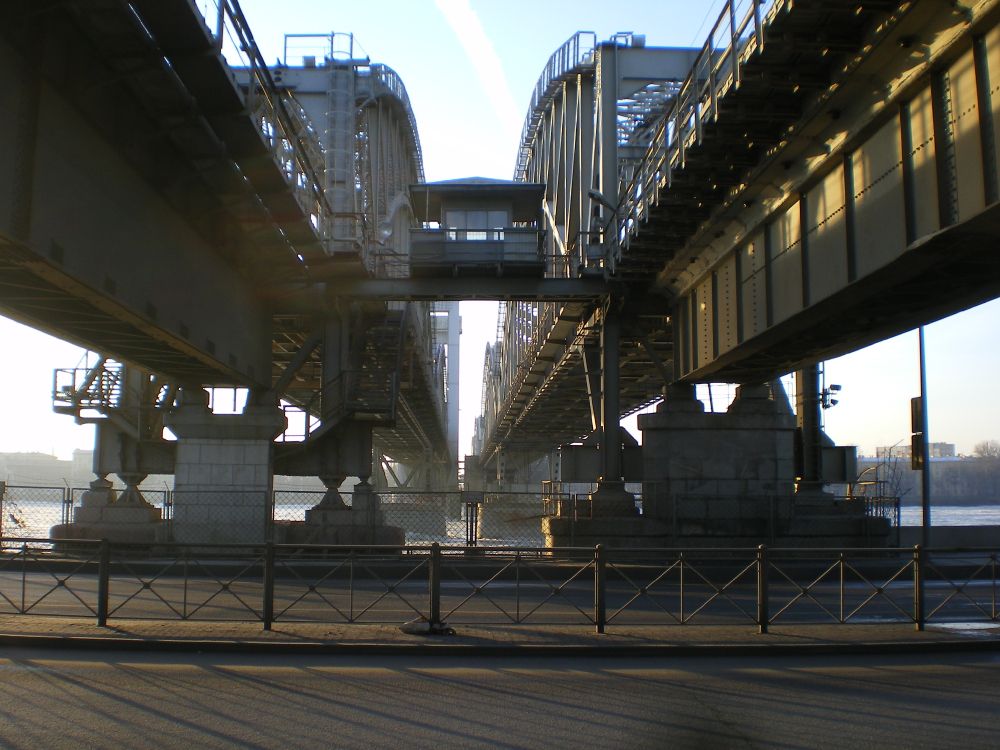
(594, 587)
(737, 35)
(389, 80)
(277, 117)
(367, 395)
(469, 249)
(575, 52)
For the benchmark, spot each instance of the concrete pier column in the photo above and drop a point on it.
(719, 477)
(103, 515)
(132, 494)
(223, 470)
(367, 504)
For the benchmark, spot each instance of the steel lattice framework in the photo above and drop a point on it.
(734, 208)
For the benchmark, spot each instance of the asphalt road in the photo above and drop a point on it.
(55, 699)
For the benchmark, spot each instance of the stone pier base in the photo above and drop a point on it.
(334, 522)
(102, 515)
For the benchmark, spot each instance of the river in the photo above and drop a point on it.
(31, 516)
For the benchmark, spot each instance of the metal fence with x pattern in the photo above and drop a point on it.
(596, 587)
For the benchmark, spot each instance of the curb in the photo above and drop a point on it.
(89, 643)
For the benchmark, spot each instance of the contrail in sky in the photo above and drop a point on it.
(479, 49)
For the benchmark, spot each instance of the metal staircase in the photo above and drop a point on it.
(103, 389)
(368, 391)
(375, 388)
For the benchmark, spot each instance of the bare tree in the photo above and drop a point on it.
(987, 449)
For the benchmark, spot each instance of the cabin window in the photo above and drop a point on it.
(475, 225)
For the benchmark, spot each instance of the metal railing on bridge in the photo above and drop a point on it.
(359, 394)
(577, 51)
(737, 35)
(279, 119)
(588, 587)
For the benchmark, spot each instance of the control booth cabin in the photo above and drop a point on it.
(483, 228)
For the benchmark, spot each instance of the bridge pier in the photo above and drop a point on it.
(344, 451)
(223, 469)
(719, 478)
(128, 444)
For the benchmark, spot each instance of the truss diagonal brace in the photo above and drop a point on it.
(300, 358)
(667, 375)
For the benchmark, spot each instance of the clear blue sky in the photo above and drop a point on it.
(470, 89)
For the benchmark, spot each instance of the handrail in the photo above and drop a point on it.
(716, 72)
(392, 83)
(283, 120)
(572, 56)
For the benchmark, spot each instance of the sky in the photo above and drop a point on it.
(469, 67)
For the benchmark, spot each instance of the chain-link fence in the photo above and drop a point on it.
(32, 511)
(561, 515)
(722, 513)
(27, 512)
(423, 516)
(507, 519)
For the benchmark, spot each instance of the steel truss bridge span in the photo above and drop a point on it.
(160, 203)
(821, 176)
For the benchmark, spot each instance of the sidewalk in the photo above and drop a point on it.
(674, 640)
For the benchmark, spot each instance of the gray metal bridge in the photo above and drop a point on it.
(182, 217)
(818, 176)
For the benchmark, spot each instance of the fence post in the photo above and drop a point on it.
(103, 582)
(918, 587)
(600, 611)
(572, 522)
(763, 616)
(993, 578)
(841, 565)
(268, 603)
(434, 586)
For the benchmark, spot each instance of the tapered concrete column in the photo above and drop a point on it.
(332, 497)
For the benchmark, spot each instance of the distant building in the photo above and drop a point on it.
(34, 469)
(937, 450)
